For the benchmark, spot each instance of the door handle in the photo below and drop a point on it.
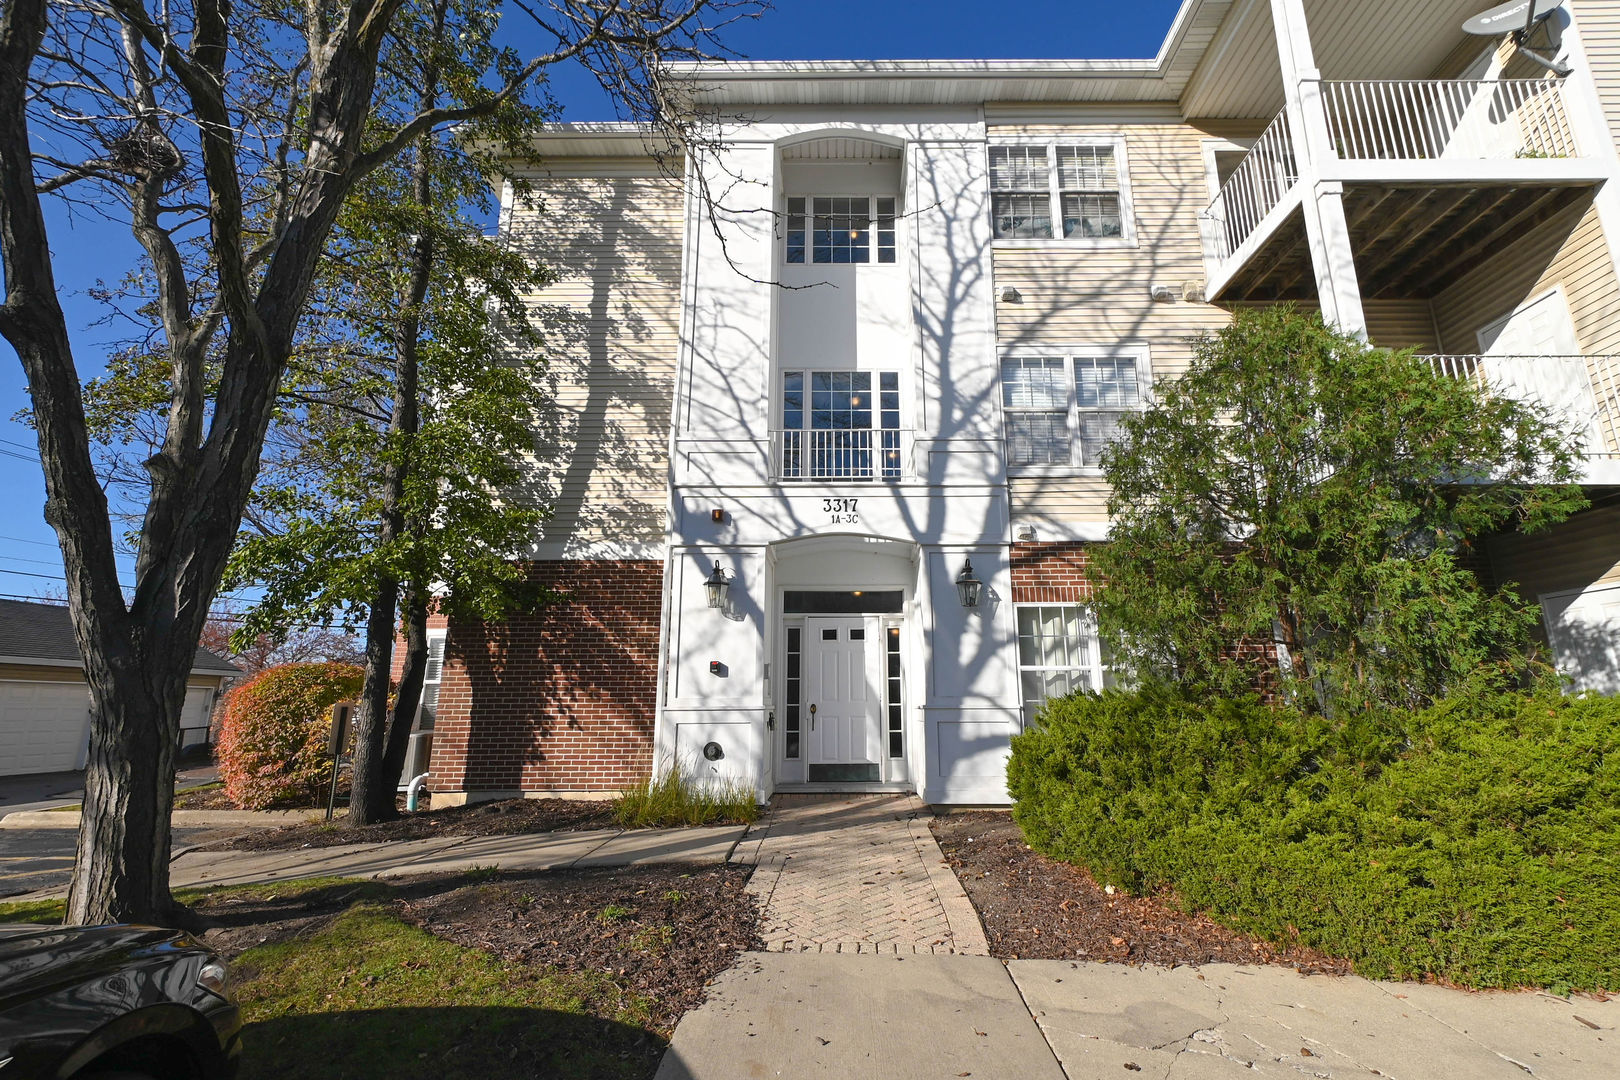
(812, 718)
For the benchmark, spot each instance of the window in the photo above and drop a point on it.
(1058, 653)
(827, 429)
(892, 691)
(793, 690)
(1063, 409)
(428, 707)
(840, 228)
(1077, 188)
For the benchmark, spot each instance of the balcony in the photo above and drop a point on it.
(841, 455)
(1562, 383)
(1435, 172)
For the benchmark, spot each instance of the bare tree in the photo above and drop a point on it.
(237, 131)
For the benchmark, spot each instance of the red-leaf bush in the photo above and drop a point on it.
(273, 737)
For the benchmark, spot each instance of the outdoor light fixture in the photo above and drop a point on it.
(968, 586)
(717, 585)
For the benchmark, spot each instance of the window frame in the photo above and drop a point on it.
(1127, 218)
(1139, 353)
(1097, 669)
(874, 232)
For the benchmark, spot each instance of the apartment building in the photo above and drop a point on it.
(831, 394)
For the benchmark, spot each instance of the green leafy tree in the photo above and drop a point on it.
(227, 138)
(1297, 482)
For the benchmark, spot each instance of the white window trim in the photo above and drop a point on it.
(1127, 215)
(809, 226)
(1144, 380)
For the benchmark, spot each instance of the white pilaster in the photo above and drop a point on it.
(1332, 256)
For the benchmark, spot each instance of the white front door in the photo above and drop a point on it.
(843, 699)
(1583, 626)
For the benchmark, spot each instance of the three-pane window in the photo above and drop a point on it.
(1065, 408)
(1057, 191)
(840, 228)
(828, 429)
(1059, 652)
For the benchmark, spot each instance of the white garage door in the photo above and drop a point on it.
(1584, 628)
(43, 726)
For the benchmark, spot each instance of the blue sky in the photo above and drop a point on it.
(87, 250)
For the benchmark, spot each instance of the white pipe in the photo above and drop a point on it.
(412, 791)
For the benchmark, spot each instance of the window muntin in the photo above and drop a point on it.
(840, 228)
(1035, 395)
(1021, 199)
(1065, 409)
(1088, 189)
(1059, 652)
(827, 428)
(1077, 185)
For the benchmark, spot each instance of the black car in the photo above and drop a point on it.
(113, 1003)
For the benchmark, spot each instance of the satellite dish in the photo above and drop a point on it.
(1505, 18)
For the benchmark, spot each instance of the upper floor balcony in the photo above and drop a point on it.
(1435, 172)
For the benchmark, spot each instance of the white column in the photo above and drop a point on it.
(1327, 231)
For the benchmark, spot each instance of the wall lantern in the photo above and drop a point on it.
(717, 585)
(968, 586)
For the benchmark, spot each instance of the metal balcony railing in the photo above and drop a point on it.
(860, 454)
(1397, 120)
(1460, 119)
(1562, 383)
(1257, 185)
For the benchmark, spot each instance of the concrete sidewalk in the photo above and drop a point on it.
(803, 1015)
(452, 854)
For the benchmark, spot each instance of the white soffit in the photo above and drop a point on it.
(839, 148)
(1237, 76)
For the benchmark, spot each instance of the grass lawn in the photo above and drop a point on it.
(345, 987)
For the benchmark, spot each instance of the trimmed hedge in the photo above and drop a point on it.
(273, 735)
(1476, 841)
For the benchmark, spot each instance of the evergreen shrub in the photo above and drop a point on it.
(1476, 841)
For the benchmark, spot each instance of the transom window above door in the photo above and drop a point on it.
(840, 228)
(1062, 408)
(1059, 191)
(835, 428)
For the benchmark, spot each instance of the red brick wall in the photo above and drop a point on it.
(560, 699)
(1061, 573)
(1057, 573)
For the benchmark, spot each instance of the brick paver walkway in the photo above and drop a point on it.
(857, 874)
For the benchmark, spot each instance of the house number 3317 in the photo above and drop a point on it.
(841, 511)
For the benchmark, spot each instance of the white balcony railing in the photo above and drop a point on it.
(1257, 185)
(1562, 383)
(862, 454)
(1461, 119)
(1397, 120)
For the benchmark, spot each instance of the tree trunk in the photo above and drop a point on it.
(121, 870)
(375, 786)
(409, 694)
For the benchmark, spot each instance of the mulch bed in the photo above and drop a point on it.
(502, 818)
(661, 931)
(1035, 908)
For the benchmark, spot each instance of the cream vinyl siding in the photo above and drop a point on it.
(1600, 34)
(613, 315)
(1568, 250)
(1098, 296)
(1583, 551)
